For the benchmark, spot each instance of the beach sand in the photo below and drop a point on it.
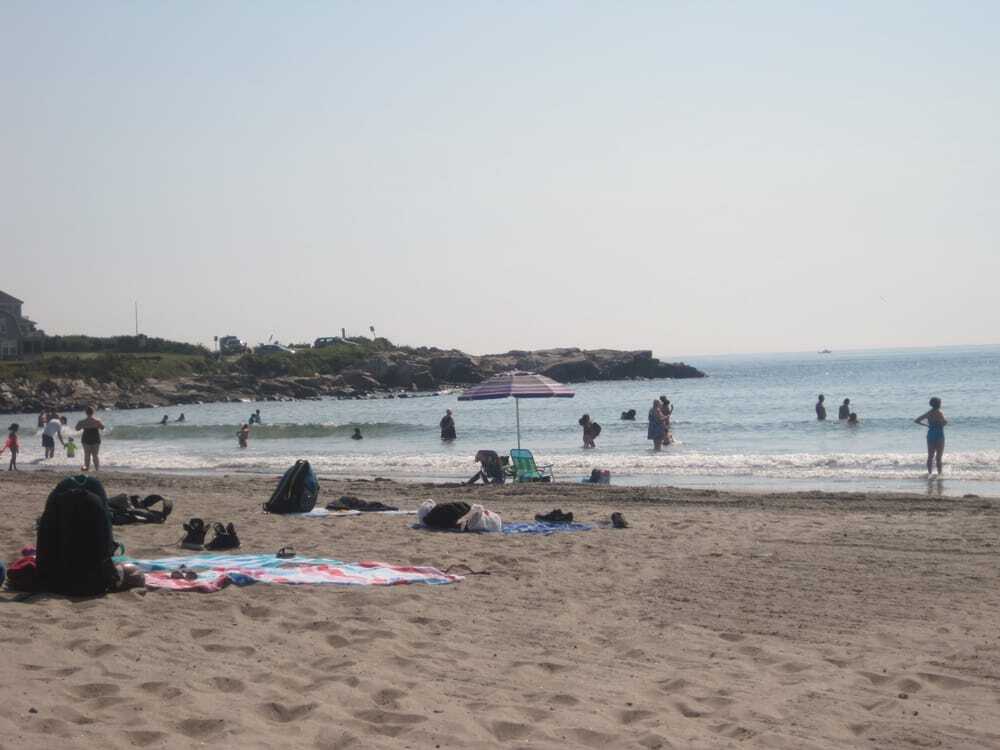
(716, 621)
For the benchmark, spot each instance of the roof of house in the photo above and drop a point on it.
(4, 297)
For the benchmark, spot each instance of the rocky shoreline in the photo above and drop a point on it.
(386, 375)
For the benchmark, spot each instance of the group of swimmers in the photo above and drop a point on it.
(844, 413)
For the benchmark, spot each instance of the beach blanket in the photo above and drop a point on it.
(324, 513)
(521, 527)
(215, 572)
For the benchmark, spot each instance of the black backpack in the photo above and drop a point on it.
(595, 429)
(296, 492)
(446, 515)
(75, 544)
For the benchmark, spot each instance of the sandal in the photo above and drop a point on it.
(195, 537)
(286, 552)
(184, 572)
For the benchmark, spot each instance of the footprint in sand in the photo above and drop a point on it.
(93, 690)
(562, 699)
(282, 714)
(140, 738)
(634, 715)
(201, 729)
(219, 648)
(227, 684)
(161, 689)
(388, 698)
(944, 681)
(506, 731)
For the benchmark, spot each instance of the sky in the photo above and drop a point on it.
(688, 177)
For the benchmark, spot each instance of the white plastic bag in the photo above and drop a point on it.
(480, 519)
(425, 507)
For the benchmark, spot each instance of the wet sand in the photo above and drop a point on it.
(717, 620)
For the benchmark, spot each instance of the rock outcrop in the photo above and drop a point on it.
(382, 375)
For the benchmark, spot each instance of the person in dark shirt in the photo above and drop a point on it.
(845, 409)
(448, 426)
(820, 408)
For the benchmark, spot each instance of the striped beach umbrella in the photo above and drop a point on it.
(517, 385)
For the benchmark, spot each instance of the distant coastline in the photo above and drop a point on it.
(353, 368)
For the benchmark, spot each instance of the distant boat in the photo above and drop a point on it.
(824, 351)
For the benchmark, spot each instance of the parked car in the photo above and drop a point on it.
(232, 345)
(272, 349)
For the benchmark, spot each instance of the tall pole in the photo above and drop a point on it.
(517, 412)
(137, 317)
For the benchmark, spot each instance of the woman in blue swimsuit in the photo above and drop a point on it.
(935, 422)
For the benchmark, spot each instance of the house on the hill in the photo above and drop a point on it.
(19, 336)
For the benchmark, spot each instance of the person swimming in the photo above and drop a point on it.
(935, 422)
(180, 418)
(357, 434)
(852, 419)
(165, 419)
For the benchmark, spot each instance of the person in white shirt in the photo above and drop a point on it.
(52, 430)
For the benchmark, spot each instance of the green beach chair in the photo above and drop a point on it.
(525, 468)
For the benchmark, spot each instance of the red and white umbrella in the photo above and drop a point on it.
(517, 385)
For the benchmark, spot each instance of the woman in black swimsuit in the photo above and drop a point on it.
(91, 438)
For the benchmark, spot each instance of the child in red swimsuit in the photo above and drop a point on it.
(13, 444)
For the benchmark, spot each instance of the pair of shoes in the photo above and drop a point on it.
(554, 516)
(225, 536)
(618, 520)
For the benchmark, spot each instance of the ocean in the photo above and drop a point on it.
(749, 425)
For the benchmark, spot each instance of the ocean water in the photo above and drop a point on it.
(749, 425)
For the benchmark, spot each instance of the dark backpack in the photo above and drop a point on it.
(296, 492)
(75, 544)
(595, 429)
(446, 515)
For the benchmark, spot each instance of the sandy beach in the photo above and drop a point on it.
(764, 621)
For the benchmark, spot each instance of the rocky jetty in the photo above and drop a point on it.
(390, 373)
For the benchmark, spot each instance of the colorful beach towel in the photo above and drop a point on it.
(522, 527)
(215, 572)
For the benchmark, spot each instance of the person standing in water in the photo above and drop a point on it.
(589, 433)
(165, 419)
(656, 430)
(821, 409)
(667, 409)
(243, 435)
(934, 421)
(90, 439)
(357, 434)
(447, 425)
(180, 418)
(845, 410)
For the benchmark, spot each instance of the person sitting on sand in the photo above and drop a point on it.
(820, 409)
(243, 435)
(935, 422)
(845, 410)
(447, 425)
(357, 434)
(490, 468)
(12, 444)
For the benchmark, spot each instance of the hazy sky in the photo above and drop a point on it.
(691, 177)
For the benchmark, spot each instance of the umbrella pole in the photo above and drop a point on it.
(517, 412)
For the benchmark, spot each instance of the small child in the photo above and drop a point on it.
(243, 435)
(13, 444)
(70, 448)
